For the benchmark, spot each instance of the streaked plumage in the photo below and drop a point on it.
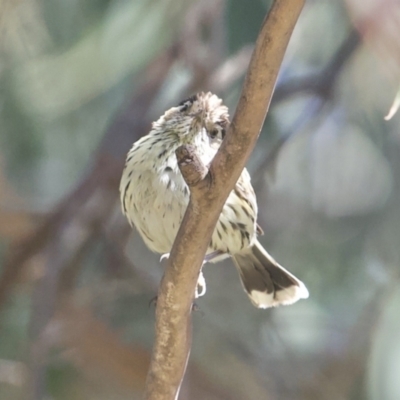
(154, 197)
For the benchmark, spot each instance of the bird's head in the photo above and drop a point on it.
(199, 114)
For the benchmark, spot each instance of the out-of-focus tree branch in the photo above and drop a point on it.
(208, 195)
(103, 174)
(65, 233)
(321, 84)
(80, 274)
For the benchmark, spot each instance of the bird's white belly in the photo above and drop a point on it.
(157, 208)
(157, 203)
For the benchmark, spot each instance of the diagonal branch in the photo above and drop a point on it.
(208, 195)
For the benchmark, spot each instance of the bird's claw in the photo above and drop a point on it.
(164, 257)
(200, 286)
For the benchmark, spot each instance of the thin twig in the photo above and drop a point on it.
(208, 195)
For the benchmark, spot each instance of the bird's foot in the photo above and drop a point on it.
(201, 282)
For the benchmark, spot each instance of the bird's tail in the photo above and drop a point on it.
(265, 281)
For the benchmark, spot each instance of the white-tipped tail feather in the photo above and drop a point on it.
(266, 282)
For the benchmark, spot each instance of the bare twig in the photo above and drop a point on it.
(208, 195)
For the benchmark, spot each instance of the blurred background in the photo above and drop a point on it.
(80, 81)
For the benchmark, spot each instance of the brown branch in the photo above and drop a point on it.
(208, 195)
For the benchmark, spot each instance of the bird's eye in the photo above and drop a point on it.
(213, 134)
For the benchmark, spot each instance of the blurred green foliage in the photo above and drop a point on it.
(328, 201)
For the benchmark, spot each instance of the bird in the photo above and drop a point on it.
(154, 197)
